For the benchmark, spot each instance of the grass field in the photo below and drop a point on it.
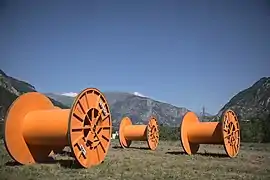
(167, 162)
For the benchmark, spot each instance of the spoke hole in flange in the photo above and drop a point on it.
(88, 143)
(86, 123)
(153, 133)
(92, 121)
(231, 133)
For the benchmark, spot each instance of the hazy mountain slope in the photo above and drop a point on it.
(11, 88)
(253, 102)
(136, 107)
(66, 100)
(140, 108)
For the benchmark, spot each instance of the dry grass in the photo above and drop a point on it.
(167, 162)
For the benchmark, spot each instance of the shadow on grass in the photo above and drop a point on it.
(69, 163)
(141, 148)
(117, 147)
(12, 163)
(65, 163)
(199, 153)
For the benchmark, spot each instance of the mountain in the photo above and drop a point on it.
(66, 100)
(140, 108)
(11, 88)
(253, 102)
(136, 107)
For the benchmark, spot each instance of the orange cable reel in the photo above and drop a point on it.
(34, 128)
(129, 132)
(226, 132)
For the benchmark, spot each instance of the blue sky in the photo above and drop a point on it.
(187, 53)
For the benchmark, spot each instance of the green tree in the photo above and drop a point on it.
(169, 133)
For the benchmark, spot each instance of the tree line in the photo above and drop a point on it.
(255, 130)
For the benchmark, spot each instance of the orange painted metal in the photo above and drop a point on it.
(129, 133)
(34, 128)
(59, 149)
(227, 132)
